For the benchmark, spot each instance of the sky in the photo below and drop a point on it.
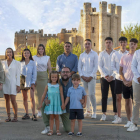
(52, 16)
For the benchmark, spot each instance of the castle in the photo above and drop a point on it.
(93, 25)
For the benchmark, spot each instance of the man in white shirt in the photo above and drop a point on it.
(107, 76)
(135, 67)
(87, 68)
(115, 65)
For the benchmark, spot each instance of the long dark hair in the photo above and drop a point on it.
(23, 58)
(12, 53)
(41, 45)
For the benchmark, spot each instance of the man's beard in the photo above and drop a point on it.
(65, 79)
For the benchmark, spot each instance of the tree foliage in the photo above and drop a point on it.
(53, 49)
(77, 50)
(132, 31)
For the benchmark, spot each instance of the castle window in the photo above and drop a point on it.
(92, 29)
(94, 44)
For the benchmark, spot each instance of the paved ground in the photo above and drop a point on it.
(93, 129)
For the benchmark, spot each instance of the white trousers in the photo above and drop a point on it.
(90, 92)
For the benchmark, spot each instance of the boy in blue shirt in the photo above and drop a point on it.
(75, 94)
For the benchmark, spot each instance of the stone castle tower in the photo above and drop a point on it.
(93, 25)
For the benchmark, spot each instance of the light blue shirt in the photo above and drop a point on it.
(30, 72)
(70, 61)
(75, 97)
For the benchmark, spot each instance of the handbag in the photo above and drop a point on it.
(22, 83)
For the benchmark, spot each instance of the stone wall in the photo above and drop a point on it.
(93, 25)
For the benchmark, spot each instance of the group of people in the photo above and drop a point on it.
(71, 93)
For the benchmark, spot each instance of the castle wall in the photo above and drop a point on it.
(93, 25)
(95, 32)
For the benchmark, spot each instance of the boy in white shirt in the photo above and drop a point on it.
(115, 65)
(87, 68)
(107, 76)
(135, 67)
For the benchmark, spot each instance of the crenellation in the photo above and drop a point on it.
(82, 12)
(31, 31)
(63, 30)
(103, 6)
(49, 35)
(111, 8)
(93, 25)
(87, 7)
(22, 31)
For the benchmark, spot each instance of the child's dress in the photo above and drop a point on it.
(55, 100)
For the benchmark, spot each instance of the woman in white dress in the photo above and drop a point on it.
(43, 63)
(11, 85)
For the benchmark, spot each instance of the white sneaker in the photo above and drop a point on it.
(128, 124)
(46, 130)
(115, 117)
(39, 114)
(86, 114)
(132, 128)
(117, 120)
(93, 116)
(103, 117)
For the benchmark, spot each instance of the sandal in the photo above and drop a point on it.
(9, 118)
(26, 116)
(58, 133)
(50, 133)
(15, 118)
(34, 118)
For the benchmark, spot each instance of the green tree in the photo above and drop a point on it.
(54, 49)
(77, 50)
(132, 31)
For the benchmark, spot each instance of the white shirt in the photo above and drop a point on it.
(115, 62)
(104, 64)
(12, 77)
(135, 66)
(41, 62)
(88, 64)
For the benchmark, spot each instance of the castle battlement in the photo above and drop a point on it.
(94, 25)
(73, 30)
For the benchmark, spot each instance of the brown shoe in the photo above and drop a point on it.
(15, 118)
(9, 118)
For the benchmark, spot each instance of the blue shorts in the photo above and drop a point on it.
(76, 114)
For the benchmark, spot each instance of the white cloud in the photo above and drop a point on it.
(51, 16)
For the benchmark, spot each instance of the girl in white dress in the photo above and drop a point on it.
(12, 82)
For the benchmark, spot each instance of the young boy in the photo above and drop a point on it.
(107, 76)
(115, 65)
(127, 76)
(75, 94)
(135, 67)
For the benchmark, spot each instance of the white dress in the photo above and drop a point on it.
(12, 77)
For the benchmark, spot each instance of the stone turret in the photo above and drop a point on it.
(87, 21)
(102, 24)
(118, 11)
